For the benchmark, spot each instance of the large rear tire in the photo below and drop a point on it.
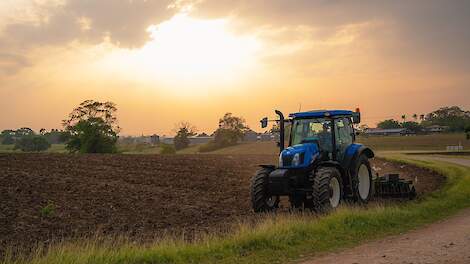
(261, 200)
(327, 189)
(362, 180)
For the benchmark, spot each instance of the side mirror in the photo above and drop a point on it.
(356, 117)
(264, 122)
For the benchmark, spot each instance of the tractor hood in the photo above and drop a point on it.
(298, 156)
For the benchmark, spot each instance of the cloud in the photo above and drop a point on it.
(121, 22)
(12, 63)
(425, 32)
(124, 22)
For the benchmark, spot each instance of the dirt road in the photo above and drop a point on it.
(444, 242)
(459, 161)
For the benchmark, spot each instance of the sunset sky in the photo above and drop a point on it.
(166, 61)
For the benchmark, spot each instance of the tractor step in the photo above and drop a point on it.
(392, 186)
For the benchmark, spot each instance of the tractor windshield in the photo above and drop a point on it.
(312, 130)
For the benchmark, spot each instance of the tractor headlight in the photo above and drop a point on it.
(296, 160)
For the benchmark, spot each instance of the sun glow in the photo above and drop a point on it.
(184, 50)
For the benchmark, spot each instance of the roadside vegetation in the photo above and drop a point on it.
(280, 238)
(453, 119)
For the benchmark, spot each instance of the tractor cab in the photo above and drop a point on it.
(319, 134)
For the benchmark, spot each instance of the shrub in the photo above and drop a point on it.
(184, 131)
(48, 210)
(32, 143)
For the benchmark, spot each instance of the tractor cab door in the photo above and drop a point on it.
(344, 135)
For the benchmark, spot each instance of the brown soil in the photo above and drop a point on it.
(47, 197)
(424, 180)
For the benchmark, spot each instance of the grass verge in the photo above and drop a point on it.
(278, 239)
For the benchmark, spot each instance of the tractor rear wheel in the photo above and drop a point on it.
(327, 189)
(261, 200)
(362, 180)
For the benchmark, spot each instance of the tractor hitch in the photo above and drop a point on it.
(392, 186)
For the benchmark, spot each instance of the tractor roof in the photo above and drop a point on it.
(321, 113)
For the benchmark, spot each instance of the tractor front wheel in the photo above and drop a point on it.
(261, 200)
(327, 189)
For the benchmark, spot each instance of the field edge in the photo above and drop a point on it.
(282, 238)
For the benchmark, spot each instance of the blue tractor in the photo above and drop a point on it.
(321, 167)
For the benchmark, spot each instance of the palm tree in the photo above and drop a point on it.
(404, 118)
(415, 117)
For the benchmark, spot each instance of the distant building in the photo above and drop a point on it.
(154, 139)
(166, 140)
(436, 129)
(250, 136)
(388, 132)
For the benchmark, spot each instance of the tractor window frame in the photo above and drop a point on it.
(327, 120)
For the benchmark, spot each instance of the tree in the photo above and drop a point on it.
(403, 117)
(24, 131)
(453, 117)
(413, 126)
(32, 143)
(389, 124)
(467, 132)
(92, 128)
(415, 117)
(185, 130)
(8, 137)
(231, 130)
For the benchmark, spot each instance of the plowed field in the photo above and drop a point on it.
(46, 197)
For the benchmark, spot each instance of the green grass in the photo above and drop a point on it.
(141, 148)
(282, 238)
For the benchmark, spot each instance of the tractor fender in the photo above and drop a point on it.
(353, 152)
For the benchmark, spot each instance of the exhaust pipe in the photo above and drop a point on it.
(281, 130)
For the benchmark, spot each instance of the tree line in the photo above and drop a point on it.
(25, 139)
(92, 127)
(453, 118)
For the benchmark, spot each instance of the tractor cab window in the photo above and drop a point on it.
(344, 135)
(312, 130)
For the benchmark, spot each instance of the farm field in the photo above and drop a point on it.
(419, 142)
(47, 197)
(378, 144)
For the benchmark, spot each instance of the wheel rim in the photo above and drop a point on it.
(364, 182)
(271, 201)
(335, 192)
